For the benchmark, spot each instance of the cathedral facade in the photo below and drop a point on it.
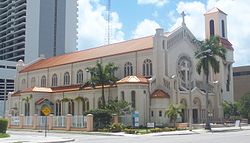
(153, 72)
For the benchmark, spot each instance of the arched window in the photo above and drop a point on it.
(85, 104)
(100, 103)
(133, 99)
(71, 108)
(58, 108)
(79, 77)
(26, 108)
(147, 68)
(184, 71)
(211, 26)
(43, 81)
(66, 78)
(223, 28)
(54, 80)
(128, 69)
(122, 96)
(33, 81)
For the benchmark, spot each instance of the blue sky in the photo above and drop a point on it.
(137, 18)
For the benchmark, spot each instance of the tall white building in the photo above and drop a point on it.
(7, 75)
(30, 28)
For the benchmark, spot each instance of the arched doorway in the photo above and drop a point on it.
(196, 110)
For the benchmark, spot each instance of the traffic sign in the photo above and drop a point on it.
(46, 110)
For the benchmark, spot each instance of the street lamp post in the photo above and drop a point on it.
(190, 103)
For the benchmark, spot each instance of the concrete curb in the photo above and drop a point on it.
(58, 141)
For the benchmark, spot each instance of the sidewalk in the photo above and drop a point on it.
(40, 138)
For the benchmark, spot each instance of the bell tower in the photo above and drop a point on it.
(215, 23)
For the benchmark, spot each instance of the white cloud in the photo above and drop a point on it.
(155, 2)
(145, 28)
(93, 25)
(237, 21)
(194, 17)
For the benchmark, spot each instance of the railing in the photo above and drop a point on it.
(41, 122)
(15, 120)
(27, 121)
(52, 122)
(59, 121)
(79, 121)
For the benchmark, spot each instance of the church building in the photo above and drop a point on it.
(153, 72)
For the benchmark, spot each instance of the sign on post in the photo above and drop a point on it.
(46, 111)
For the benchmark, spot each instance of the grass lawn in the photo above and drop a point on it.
(4, 135)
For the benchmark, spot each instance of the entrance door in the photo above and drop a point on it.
(195, 115)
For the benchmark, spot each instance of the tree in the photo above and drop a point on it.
(231, 109)
(102, 75)
(118, 107)
(172, 112)
(245, 106)
(207, 55)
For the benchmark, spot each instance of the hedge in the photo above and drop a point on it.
(3, 125)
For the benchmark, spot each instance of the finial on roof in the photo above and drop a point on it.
(183, 18)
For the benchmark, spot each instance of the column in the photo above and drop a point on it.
(90, 122)
(68, 121)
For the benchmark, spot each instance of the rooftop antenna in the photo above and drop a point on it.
(108, 19)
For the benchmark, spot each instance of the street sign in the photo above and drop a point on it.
(46, 110)
(135, 116)
(150, 125)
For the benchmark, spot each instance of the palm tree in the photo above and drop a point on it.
(207, 54)
(172, 112)
(102, 75)
(27, 104)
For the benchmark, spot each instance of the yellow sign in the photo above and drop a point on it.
(46, 110)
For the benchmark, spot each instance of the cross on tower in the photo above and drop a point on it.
(183, 18)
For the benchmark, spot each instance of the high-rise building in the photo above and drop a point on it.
(30, 28)
(7, 74)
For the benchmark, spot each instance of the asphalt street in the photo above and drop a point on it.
(242, 136)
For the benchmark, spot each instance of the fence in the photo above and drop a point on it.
(15, 121)
(79, 121)
(28, 121)
(59, 121)
(69, 122)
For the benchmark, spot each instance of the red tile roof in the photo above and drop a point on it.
(159, 94)
(57, 89)
(133, 79)
(37, 89)
(213, 10)
(225, 43)
(93, 53)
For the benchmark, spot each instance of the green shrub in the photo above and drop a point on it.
(130, 131)
(167, 129)
(102, 117)
(155, 130)
(116, 127)
(3, 125)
